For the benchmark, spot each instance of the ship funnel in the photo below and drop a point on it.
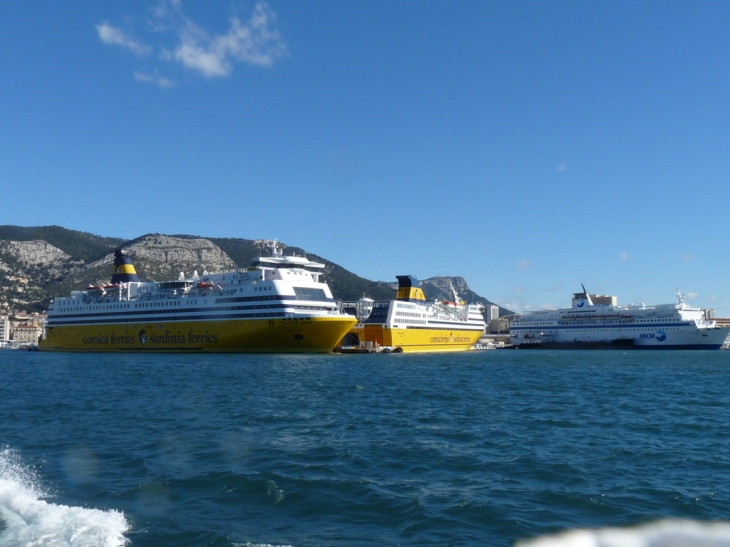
(409, 289)
(124, 271)
(582, 299)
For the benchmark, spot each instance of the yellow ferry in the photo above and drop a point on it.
(279, 304)
(412, 324)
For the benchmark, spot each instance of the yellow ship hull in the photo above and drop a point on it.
(290, 335)
(419, 340)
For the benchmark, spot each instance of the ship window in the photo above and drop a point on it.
(307, 293)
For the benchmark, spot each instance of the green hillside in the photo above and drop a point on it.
(85, 248)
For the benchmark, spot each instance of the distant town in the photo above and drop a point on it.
(40, 264)
(22, 329)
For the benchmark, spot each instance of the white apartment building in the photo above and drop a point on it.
(492, 312)
(4, 329)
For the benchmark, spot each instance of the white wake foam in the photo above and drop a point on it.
(26, 520)
(664, 533)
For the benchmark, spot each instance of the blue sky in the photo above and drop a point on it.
(526, 146)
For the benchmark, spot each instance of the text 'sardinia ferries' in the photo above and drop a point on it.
(589, 325)
(277, 305)
(410, 323)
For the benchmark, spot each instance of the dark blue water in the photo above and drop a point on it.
(482, 448)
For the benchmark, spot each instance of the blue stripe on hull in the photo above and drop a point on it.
(680, 346)
(621, 326)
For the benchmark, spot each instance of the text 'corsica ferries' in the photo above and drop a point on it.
(277, 305)
(589, 325)
(412, 324)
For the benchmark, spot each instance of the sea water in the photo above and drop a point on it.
(480, 448)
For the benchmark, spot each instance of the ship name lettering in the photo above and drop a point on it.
(202, 338)
(122, 339)
(647, 336)
(167, 338)
(95, 340)
(446, 339)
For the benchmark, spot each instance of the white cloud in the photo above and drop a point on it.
(253, 42)
(522, 264)
(164, 7)
(687, 257)
(624, 257)
(518, 289)
(563, 167)
(208, 63)
(156, 79)
(110, 35)
(554, 288)
(514, 303)
(692, 295)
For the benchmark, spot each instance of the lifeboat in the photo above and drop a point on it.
(204, 285)
(94, 289)
(112, 287)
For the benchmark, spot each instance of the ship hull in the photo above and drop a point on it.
(681, 346)
(288, 335)
(711, 339)
(690, 338)
(625, 343)
(574, 346)
(420, 340)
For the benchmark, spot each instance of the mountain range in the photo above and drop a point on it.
(42, 262)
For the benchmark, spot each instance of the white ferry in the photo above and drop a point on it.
(412, 324)
(279, 304)
(589, 325)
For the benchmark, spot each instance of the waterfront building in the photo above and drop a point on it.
(604, 299)
(492, 312)
(26, 334)
(4, 329)
(500, 324)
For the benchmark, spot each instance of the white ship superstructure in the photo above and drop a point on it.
(279, 304)
(588, 325)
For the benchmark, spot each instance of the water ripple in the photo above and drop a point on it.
(484, 448)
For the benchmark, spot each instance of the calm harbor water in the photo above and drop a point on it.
(483, 448)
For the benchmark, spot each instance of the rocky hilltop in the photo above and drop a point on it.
(160, 256)
(32, 253)
(440, 287)
(40, 263)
